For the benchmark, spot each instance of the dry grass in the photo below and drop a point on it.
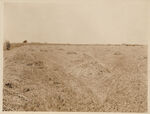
(49, 77)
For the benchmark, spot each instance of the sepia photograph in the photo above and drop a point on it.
(75, 56)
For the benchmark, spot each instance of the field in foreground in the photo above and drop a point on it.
(75, 78)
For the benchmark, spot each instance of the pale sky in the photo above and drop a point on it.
(77, 21)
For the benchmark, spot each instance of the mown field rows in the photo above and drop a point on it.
(82, 78)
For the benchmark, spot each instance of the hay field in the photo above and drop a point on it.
(85, 78)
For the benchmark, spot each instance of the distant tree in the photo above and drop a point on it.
(7, 45)
(25, 41)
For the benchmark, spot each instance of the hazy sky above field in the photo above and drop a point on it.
(77, 21)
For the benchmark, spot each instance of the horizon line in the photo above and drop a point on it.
(48, 43)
